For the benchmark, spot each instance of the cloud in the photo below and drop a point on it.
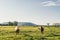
(58, 1)
(50, 3)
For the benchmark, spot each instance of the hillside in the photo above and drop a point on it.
(26, 24)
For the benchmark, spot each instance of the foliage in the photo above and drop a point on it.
(15, 23)
(9, 23)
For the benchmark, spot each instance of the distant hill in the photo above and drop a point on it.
(23, 24)
(26, 24)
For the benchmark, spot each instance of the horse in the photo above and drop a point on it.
(42, 29)
(17, 30)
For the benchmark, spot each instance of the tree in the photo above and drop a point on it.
(15, 23)
(48, 24)
(10, 23)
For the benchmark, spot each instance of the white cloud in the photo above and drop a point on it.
(51, 3)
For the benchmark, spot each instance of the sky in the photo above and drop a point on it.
(35, 11)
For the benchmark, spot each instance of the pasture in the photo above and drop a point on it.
(29, 33)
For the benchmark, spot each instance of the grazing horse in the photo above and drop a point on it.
(42, 29)
(17, 30)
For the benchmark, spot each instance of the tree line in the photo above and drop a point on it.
(9, 23)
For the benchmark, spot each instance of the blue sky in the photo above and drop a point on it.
(35, 11)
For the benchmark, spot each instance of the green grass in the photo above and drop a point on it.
(29, 33)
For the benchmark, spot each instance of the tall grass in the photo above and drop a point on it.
(29, 33)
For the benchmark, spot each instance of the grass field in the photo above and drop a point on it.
(29, 33)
